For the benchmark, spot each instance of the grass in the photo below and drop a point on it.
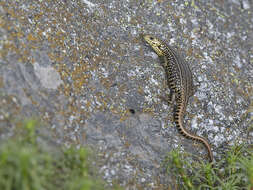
(234, 172)
(25, 165)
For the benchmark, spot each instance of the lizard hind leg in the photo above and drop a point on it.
(168, 98)
(171, 97)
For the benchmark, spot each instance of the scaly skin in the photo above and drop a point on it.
(179, 78)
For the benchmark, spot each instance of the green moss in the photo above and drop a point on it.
(25, 165)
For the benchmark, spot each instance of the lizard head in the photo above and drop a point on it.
(156, 44)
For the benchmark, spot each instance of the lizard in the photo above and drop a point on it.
(180, 82)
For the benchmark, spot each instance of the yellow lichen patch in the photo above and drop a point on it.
(30, 37)
(114, 110)
(189, 52)
(149, 110)
(106, 82)
(80, 76)
(6, 47)
(1, 82)
(38, 16)
(56, 57)
(124, 115)
(59, 37)
(74, 55)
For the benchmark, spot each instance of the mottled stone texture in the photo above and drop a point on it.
(82, 69)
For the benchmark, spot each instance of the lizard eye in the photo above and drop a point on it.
(160, 47)
(151, 38)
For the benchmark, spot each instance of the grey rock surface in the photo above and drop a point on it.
(82, 68)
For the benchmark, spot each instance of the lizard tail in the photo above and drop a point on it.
(179, 123)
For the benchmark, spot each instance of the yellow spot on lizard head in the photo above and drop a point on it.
(156, 44)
